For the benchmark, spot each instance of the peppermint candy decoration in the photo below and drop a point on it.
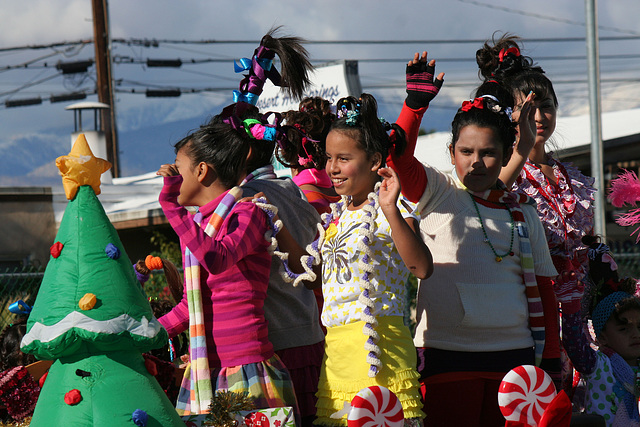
(375, 406)
(524, 394)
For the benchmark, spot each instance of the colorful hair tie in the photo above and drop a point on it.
(20, 307)
(261, 69)
(153, 262)
(593, 251)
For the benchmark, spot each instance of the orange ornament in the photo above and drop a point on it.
(153, 262)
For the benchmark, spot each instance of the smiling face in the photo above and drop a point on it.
(478, 157)
(546, 112)
(352, 171)
(623, 337)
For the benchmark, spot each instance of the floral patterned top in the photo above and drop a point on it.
(565, 208)
(341, 272)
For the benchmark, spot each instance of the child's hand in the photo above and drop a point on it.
(421, 87)
(168, 170)
(526, 126)
(389, 189)
(568, 288)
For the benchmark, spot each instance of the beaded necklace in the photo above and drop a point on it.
(486, 236)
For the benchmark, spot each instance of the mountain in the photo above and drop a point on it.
(30, 159)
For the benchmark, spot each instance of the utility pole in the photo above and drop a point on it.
(102, 43)
(593, 61)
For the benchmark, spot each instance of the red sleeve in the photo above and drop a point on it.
(413, 177)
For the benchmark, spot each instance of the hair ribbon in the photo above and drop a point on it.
(504, 52)
(20, 307)
(476, 103)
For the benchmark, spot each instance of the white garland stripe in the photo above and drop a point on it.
(124, 322)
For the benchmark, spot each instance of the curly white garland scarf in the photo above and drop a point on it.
(366, 231)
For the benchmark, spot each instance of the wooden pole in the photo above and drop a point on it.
(105, 81)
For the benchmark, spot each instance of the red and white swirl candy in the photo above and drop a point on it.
(375, 406)
(524, 394)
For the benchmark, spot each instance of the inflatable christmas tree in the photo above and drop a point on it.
(93, 319)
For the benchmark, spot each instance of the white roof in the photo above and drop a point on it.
(136, 197)
(570, 132)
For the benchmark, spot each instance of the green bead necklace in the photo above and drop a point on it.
(486, 237)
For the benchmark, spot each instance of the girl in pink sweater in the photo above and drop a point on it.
(227, 268)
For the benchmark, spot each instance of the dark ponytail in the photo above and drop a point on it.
(306, 138)
(294, 60)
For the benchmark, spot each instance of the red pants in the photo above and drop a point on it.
(462, 399)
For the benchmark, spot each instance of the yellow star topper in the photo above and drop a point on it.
(81, 167)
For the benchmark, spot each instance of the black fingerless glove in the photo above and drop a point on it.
(421, 86)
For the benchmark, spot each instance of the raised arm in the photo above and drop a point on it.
(525, 141)
(404, 232)
(421, 89)
(246, 226)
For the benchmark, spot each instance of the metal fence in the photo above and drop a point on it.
(18, 284)
(23, 284)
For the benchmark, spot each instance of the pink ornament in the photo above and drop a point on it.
(524, 394)
(375, 406)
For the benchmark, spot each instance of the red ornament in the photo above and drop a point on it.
(73, 397)
(42, 379)
(256, 419)
(55, 249)
(151, 366)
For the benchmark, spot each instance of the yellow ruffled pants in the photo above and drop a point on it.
(345, 369)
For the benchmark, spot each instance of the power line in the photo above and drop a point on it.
(154, 43)
(547, 17)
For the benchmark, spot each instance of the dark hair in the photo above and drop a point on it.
(492, 115)
(358, 118)
(533, 81)
(312, 122)
(294, 61)
(517, 72)
(10, 354)
(624, 305)
(220, 146)
(489, 63)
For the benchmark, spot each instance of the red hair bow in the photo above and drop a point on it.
(476, 103)
(504, 53)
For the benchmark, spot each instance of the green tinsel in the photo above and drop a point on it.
(224, 404)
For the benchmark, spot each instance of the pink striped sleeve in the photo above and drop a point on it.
(177, 320)
(242, 231)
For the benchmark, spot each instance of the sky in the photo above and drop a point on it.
(451, 31)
